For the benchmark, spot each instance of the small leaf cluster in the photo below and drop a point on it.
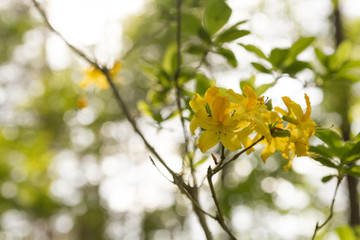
(336, 153)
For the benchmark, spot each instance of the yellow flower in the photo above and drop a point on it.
(214, 113)
(250, 109)
(94, 76)
(301, 126)
(280, 143)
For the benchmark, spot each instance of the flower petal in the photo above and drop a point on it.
(220, 108)
(308, 109)
(208, 139)
(287, 167)
(251, 96)
(236, 98)
(296, 110)
(280, 110)
(267, 152)
(197, 103)
(230, 141)
(211, 94)
(205, 121)
(193, 125)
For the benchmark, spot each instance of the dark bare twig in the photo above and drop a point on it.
(219, 215)
(318, 227)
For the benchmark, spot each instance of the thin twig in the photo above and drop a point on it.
(220, 167)
(178, 72)
(219, 216)
(222, 157)
(157, 168)
(318, 227)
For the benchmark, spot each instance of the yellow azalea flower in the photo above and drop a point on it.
(277, 143)
(301, 126)
(214, 114)
(95, 77)
(250, 109)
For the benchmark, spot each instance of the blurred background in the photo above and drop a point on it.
(81, 173)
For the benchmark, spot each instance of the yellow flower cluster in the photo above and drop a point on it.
(94, 77)
(231, 118)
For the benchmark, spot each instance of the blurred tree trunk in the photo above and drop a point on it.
(352, 182)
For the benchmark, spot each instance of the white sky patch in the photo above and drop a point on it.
(93, 24)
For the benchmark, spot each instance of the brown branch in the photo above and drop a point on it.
(219, 215)
(318, 227)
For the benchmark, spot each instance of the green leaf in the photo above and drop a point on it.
(356, 138)
(290, 119)
(230, 35)
(281, 133)
(238, 23)
(170, 59)
(341, 55)
(351, 64)
(278, 56)
(351, 152)
(353, 171)
(295, 67)
(254, 49)
(216, 15)
(325, 161)
(202, 83)
(327, 178)
(208, 109)
(195, 49)
(204, 35)
(263, 88)
(330, 138)
(228, 55)
(346, 233)
(345, 75)
(261, 68)
(144, 108)
(172, 115)
(201, 161)
(322, 150)
(322, 57)
(269, 105)
(190, 23)
(300, 45)
(250, 82)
